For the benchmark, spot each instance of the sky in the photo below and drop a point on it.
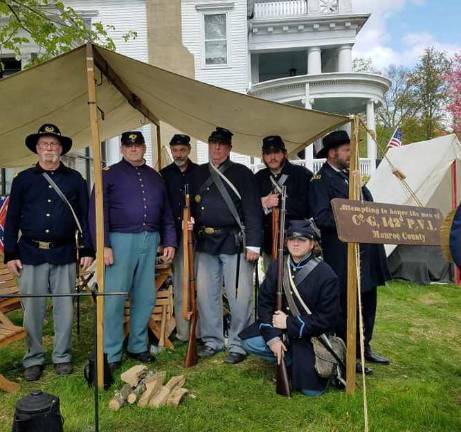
(398, 31)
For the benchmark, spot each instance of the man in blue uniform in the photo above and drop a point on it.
(137, 217)
(177, 175)
(332, 182)
(228, 218)
(44, 256)
(317, 288)
(280, 172)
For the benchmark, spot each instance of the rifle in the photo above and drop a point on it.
(275, 231)
(283, 382)
(191, 304)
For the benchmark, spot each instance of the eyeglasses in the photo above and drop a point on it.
(49, 145)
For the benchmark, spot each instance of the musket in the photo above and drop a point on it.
(283, 382)
(275, 221)
(192, 315)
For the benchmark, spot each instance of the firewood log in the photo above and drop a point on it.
(119, 398)
(133, 375)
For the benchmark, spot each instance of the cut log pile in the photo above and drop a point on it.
(148, 389)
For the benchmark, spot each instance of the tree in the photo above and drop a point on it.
(400, 102)
(431, 89)
(49, 25)
(454, 92)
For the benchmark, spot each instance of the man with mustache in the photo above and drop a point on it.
(280, 172)
(44, 256)
(177, 175)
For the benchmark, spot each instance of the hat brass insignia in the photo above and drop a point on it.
(49, 129)
(132, 137)
(198, 198)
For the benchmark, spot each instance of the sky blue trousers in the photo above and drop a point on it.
(133, 271)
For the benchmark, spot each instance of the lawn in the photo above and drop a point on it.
(418, 327)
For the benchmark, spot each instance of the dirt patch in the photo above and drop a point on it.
(433, 298)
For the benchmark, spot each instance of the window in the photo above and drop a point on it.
(215, 39)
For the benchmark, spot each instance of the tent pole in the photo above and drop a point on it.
(159, 148)
(454, 205)
(96, 147)
(133, 99)
(354, 194)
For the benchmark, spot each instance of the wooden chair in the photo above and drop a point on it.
(8, 285)
(9, 333)
(162, 322)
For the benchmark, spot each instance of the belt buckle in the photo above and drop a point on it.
(43, 244)
(209, 230)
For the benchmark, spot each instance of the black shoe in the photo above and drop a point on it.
(144, 357)
(207, 351)
(33, 373)
(63, 368)
(375, 358)
(234, 358)
(114, 366)
(358, 369)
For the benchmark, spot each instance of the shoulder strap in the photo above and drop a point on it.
(287, 291)
(63, 197)
(208, 182)
(217, 180)
(306, 270)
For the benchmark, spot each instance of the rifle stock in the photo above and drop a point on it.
(283, 382)
(275, 231)
(191, 305)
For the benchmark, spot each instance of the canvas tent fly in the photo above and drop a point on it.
(132, 94)
(429, 167)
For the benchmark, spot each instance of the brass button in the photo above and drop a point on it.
(47, 231)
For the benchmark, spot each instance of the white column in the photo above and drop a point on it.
(112, 151)
(254, 69)
(314, 61)
(371, 124)
(345, 58)
(307, 99)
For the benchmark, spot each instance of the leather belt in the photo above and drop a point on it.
(210, 230)
(47, 245)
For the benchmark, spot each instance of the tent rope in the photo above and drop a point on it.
(362, 341)
(397, 173)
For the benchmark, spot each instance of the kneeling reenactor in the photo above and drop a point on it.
(316, 290)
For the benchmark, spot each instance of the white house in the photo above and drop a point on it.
(293, 51)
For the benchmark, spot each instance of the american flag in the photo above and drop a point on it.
(3, 209)
(396, 139)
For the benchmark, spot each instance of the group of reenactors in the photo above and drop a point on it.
(232, 225)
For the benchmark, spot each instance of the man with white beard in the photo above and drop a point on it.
(177, 175)
(44, 255)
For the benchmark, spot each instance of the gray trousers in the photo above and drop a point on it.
(214, 271)
(182, 325)
(44, 279)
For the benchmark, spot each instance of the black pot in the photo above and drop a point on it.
(38, 412)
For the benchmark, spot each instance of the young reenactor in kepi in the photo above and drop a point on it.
(332, 181)
(48, 204)
(177, 175)
(228, 219)
(309, 309)
(137, 218)
(280, 172)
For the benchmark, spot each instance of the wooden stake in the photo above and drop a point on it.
(97, 174)
(354, 194)
(159, 147)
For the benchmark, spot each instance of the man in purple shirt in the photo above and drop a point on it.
(137, 218)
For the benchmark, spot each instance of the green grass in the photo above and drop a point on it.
(418, 327)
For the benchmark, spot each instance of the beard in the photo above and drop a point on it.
(180, 162)
(50, 157)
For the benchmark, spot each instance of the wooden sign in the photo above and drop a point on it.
(369, 222)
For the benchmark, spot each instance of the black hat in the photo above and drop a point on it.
(333, 140)
(221, 135)
(132, 137)
(180, 139)
(273, 144)
(305, 229)
(48, 130)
